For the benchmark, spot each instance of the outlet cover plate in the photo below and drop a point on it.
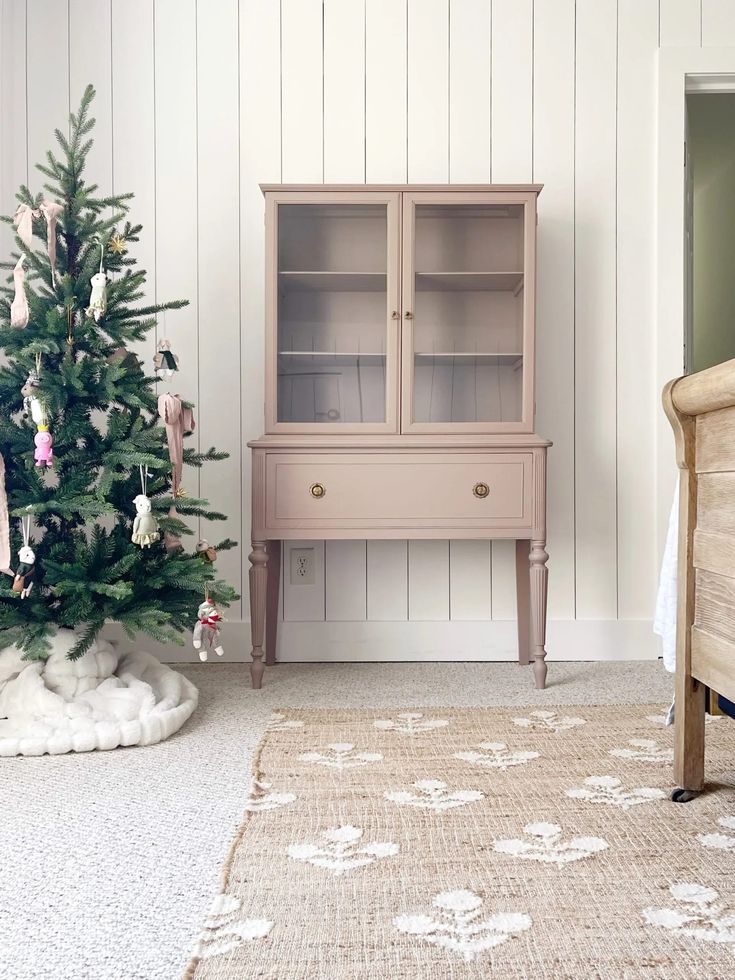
(302, 566)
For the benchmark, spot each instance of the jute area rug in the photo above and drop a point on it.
(447, 843)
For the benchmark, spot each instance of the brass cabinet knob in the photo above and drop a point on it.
(481, 490)
(317, 490)
(395, 315)
(409, 315)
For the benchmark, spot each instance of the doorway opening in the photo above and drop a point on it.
(709, 229)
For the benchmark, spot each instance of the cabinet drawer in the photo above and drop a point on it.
(398, 490)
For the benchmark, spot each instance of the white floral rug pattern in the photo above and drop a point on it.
(453, 843)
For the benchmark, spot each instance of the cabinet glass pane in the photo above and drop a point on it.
(332, 304)
(468, 313)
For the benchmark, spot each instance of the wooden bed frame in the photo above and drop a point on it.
(701, 409)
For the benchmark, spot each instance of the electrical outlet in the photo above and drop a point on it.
(302, 566)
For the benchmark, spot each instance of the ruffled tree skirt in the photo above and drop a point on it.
(101, 701)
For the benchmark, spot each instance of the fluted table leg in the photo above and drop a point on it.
(258, 592)
(539, 584)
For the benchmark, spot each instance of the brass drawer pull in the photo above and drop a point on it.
(317, 490)
(481, 490)
(395, 315)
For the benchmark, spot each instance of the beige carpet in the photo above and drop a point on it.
(442, 842)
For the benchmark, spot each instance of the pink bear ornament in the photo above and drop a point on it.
(44, 454)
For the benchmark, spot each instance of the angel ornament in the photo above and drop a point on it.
(145, 525)
(165, 361)
(26, 571)
(206, 630)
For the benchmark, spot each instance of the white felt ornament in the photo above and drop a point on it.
(20, 314)
(98, 297)
(145, 525)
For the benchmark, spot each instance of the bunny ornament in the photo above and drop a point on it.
(26, 571)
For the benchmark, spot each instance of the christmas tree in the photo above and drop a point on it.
(80, 430)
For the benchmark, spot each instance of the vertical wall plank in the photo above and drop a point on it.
(512, 90)
(636, 150)
(553, 151)
(302, 91)
(680, 22)
(133, 139)
(512, 162)
(260, 162)
(470, 564)
(385, 90)
(428, 580)
(346, 580)
(470, 580)
(469, 91)
(387, 580)
(595, 357)
(303, 603)
(13, 158)
(47, 63)
(718, 22)
(219, 269)
(176, 199)
(428, 91)
(90, 40)
(344, 91)
(428, 160)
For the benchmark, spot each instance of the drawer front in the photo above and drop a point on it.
(398, 490)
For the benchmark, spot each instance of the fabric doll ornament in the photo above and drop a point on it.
(206, 631)
(20, 314)
(26, 570)
(44, 454)
(165, 361)
(145, 525)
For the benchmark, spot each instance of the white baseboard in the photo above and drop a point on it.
(333, 642)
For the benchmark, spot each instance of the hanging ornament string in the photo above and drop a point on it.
(25, 528)
(144, 479)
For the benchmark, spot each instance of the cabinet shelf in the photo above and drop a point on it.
(486, 358)
(329, 356)
(443, 281)
(353, 282)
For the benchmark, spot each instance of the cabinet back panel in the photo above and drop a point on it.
(458, 243)
(340, 238)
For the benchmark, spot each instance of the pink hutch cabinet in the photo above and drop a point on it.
(399, 384)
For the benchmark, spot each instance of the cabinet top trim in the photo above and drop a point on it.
(403, 188)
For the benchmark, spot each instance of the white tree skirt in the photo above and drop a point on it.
(101, 701)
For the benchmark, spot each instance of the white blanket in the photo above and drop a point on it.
(664, 623)
(100, 701)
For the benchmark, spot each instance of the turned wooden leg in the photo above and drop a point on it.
(523, 585)
(539, 583)
(258, 592)
(271, 605)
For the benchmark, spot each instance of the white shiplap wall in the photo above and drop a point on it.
(197, 102)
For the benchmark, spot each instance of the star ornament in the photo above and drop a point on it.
(117, 245)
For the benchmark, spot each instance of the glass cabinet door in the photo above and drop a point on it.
(336, 312)
(466, 352)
